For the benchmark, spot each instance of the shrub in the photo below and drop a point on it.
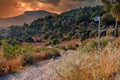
(84, 36)
(54, 41)
(10, 51)
(93, 33)
(91, 45)
(71, 47)
(68, 47)
(47, 53)
(103, 33)
(27, 52)
(110, 32)
(14, 42)
(62, 47)
(29, 59)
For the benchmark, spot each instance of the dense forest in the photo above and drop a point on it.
(74, 24)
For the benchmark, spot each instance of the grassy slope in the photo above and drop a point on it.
(89, 66)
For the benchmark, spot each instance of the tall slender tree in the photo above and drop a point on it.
(113, 7)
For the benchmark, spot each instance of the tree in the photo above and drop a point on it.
(115, 10)
(107, 19)
(113, 7)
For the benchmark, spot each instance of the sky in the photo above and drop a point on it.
(10, 8)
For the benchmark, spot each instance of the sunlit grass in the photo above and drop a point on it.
(14, 58)
(90, 66)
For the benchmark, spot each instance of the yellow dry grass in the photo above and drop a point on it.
(11, 65)
(90, 66)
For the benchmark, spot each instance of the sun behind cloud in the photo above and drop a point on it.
(23, 4)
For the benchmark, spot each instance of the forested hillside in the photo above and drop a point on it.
(74, 24)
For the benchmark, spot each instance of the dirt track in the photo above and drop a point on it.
(38, 71)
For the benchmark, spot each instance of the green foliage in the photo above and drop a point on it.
(84, 36)
(103, 33)
(28, 59)
(68, 47)
(11, 51)
(93, 33)
(91, 45)
(107, 19)
(107, 6)
(110, 32)
(29, 39)
(71, 47)
(54, 41)
(115, 10)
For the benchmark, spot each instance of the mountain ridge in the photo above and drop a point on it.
(26, 17)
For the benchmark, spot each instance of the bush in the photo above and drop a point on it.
(54, 41)
(71, 47)
(47, 53)
(62, 47)
(29, 59)
(84, 36)
(10, 51)
(93, 33)
(68, 47)
(110, 32)
(91, 45)
(103, 33)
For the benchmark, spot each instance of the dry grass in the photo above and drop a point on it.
(11, 65)
(14, 64)
(46, 53)
(90, 66)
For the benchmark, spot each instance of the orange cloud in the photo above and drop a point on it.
(9, 8)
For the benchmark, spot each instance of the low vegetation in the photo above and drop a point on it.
(68, 47)
(90, 45)
(14, 57)
(90, 66)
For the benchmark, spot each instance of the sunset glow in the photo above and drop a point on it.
(11, 8)
(23, 4)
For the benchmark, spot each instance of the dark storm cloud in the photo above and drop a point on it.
(58, 1)
(54, 2)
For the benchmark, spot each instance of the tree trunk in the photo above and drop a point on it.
(116, 29)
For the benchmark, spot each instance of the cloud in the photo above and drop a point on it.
(54, 2)
(61, 5)
(10, 8)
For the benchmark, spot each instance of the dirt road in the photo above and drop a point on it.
(38, 71)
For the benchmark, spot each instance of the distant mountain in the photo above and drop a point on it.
(27, 17)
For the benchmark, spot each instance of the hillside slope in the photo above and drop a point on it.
(27, 17)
